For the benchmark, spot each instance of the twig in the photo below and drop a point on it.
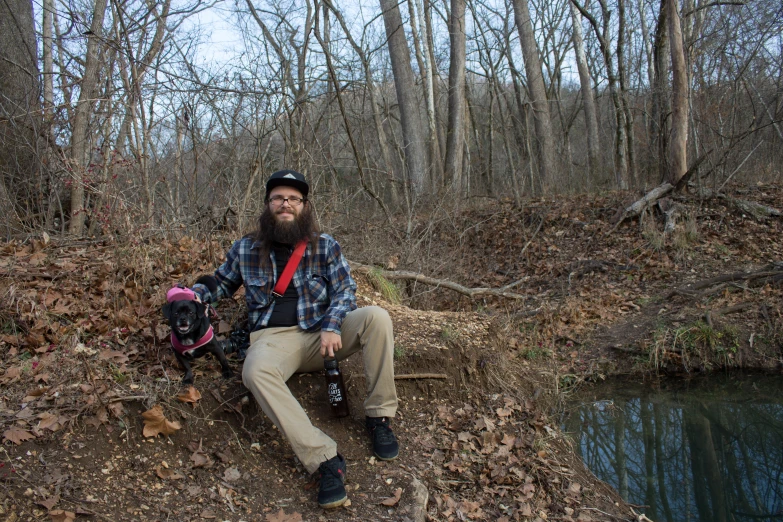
(422, 376)
(129, 398)
(603, 512)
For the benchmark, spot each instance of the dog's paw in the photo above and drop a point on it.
(227, 374)
(187, 379)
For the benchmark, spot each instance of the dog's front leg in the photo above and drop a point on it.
(216, 350)
(183, 361)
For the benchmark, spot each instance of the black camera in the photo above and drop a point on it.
(238, 342)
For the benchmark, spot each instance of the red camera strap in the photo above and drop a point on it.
(288, 272)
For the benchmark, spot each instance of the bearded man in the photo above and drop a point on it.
(293, 331)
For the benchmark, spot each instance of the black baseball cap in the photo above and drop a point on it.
(287, 178)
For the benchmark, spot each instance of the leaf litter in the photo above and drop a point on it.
(87, 374)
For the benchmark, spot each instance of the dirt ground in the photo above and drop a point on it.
(84, 356)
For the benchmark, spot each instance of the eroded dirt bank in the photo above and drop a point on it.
(84, 355)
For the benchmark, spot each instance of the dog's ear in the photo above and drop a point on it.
(167, 310)
(201, 308)
(209, 281)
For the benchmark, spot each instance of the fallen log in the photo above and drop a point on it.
(473, 293)
(639, 206)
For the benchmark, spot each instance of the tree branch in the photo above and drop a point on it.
(473, 293)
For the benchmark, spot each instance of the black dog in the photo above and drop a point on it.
(191, 333)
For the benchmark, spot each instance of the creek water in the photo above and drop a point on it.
(706, 450)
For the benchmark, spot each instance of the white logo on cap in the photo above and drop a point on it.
(290, 176)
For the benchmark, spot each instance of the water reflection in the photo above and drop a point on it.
(711, 452)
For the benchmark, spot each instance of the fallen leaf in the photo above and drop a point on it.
(280, 516)
(223, 327)
(392, 501)
(483, 423)
(37, 392)
(58, 515)
(155, 423)
(201, 460)
(50, 502)
(50, 421)
(503, 412)
(232, 474)
(168, 474)
(17, 436)
(12, 373)
(113, 356)
(208, 513)
(117, 409)
(191, 395)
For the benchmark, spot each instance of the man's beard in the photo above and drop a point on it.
(288, 232)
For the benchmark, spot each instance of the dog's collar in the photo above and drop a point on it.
(184, 349)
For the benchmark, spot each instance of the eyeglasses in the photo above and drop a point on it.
(292, 200)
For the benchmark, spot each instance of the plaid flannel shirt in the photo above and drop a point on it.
(327, 292)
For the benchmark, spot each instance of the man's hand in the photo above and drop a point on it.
(331, 342)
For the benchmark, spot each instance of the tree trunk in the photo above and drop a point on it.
(80, 143)
(19, 105)
(536, 89)
(405, 87)
(679, 136)
(660, 96)
(455, 136)
(588, 100)
(621, 140)
(622, 78)
(425, 66)
(48, 61)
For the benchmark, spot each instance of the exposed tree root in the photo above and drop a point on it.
(772, 273)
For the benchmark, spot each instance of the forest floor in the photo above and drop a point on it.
(96, 426)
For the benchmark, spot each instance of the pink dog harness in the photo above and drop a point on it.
(180, 293)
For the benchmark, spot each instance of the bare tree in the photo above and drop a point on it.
(19, 105)
(588, 101)
(455, 135)
(602, 33)
(679, 135)
(421, 39)
(80, 137)
(547, 166)
(405, 86)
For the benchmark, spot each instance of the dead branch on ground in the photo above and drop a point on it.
(757, 210)
(421, 376)
(639, 206)
(473, 293)
(772, 273)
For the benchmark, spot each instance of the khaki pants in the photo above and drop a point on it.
(275, 354)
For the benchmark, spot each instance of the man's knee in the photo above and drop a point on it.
(260, 374)
(377, 317)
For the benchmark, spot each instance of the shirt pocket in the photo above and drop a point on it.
(317, 288)
(257, 292)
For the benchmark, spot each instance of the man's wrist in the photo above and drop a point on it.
(331, 329)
